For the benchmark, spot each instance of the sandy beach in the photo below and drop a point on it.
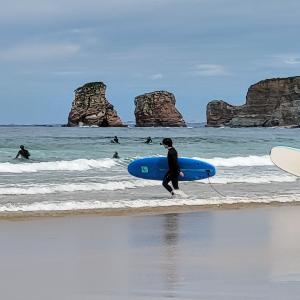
(250, 253)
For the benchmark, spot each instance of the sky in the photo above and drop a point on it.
(200, 50)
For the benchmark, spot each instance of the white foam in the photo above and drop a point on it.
(139, 203)
(34, 189)
(259, 178)
(72, 187)
(237, 161)
(87, 164)
(72, 165)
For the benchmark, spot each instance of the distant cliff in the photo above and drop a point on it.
(270, 102)
(90, 107)
(157, 109)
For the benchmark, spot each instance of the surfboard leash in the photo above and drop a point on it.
(214, 189)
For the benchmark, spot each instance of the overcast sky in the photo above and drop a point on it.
(200, 50)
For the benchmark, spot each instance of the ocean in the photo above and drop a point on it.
(72, 169)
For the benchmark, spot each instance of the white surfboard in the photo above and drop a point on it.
(287, 159)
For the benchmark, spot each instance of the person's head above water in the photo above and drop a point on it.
(116, 155)
(167, 142)
(22, 147)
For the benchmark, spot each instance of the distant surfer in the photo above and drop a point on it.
(174, 169)
(115, 140)
(148, 140)
(116, 155)
(23, 152)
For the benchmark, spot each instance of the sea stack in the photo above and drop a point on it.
(270, 102)
(157, 109)
(90, 107)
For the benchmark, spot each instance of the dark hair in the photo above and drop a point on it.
(167, 141)
(21, 146)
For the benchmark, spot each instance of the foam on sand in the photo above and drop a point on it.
(48, 206)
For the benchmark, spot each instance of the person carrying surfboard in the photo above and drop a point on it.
(174, 170)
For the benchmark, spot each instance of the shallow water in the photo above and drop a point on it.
(72, 168)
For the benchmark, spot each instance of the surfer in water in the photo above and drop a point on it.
(174, 169)
(116, 155)
(23, 152)
(115, 140)
(149, 140)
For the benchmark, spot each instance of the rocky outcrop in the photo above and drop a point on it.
(271, 102)
(157, 109)
(90, 107)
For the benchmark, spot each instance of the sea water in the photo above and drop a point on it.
(73, 168)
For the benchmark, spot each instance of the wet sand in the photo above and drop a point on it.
(250, 253)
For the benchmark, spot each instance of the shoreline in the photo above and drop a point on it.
(140, 211)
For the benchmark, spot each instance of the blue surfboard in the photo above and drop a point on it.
(155, 168)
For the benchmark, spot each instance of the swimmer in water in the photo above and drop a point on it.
(23, 152)
(149, 140)
(116, 155)
(115, 140)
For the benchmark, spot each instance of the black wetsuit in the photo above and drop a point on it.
(24, 153)
(116, 155)
(174, 170)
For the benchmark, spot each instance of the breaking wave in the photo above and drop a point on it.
(35, 189)
(62, 165)
(87, 164)
(72, 187)
(261, 178)
(52, 206)
(239, 161)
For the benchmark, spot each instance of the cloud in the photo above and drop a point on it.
(280, 61)
(33, 52)
(209, 70)
(156, 76)
(292, 60)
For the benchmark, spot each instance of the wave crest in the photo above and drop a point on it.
(76, 187)
(62, 165)
(49, 206)
(239, 161)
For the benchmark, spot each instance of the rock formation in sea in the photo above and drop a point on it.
(270, 102)
(90, 107)
(157, 109)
